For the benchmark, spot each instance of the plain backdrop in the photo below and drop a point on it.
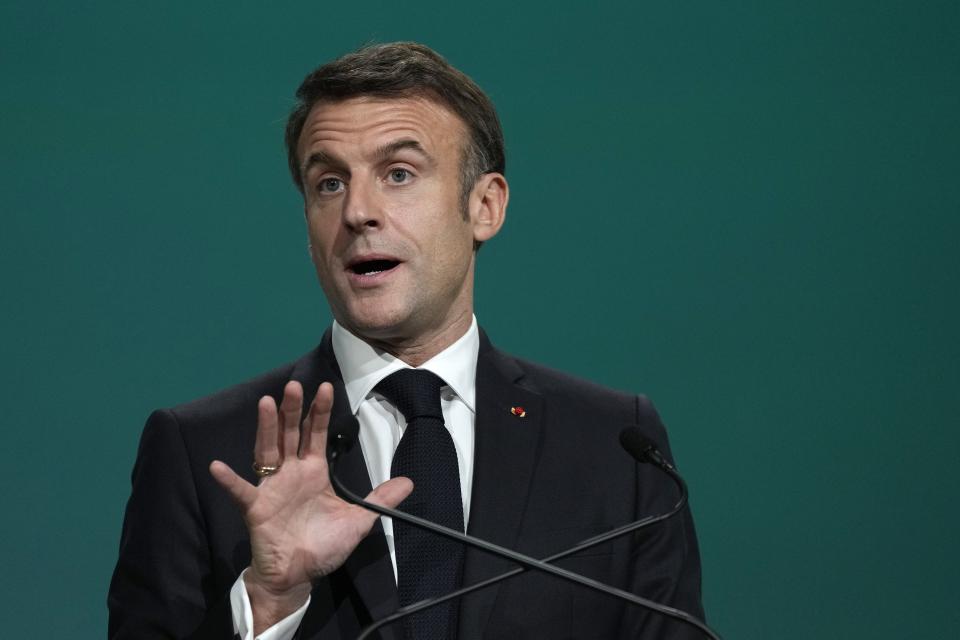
(747, 210)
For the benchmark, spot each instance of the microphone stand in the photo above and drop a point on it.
(342, 443)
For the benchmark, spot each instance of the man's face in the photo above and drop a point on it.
(392, 248)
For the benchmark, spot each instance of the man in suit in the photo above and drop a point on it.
(400, 161)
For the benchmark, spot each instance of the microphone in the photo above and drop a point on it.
(644, 450)
(342, 440)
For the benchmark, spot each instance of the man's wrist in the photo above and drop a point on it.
(268, 605)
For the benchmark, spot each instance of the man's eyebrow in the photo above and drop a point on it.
(382, 153)
(319, 158)
(386, 151)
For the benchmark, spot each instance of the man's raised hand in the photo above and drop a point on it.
(299, 528)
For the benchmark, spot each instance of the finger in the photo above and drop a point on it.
(392, 492)
(239, 489)
(318, 420)
(266, 451)
(290, 409)
(388, 494)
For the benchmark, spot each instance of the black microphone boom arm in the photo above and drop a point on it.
(342, 442)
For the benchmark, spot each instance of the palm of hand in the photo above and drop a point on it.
(299, 528)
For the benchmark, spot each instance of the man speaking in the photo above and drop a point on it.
(233, 526)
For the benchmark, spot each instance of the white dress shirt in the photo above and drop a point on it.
(381, 427)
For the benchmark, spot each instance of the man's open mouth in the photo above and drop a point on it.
(372, 267)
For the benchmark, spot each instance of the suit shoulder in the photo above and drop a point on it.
(591, 405)
(238, 397)
(548, 380)
(583, 394)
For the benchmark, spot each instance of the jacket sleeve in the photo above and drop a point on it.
(159, 586)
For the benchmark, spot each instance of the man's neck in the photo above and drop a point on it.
(417, 350)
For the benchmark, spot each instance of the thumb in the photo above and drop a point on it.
(239, 489)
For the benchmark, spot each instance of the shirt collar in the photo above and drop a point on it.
(363, 365)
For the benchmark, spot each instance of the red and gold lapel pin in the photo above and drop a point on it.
(520, 412)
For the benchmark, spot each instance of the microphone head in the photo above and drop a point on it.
(637, 445)
(343, 434)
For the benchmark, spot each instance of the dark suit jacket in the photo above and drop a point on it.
(542, 482)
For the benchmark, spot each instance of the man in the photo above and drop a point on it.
(400, 161)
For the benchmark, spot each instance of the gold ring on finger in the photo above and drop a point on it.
(264, 470)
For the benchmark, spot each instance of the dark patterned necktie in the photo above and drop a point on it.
(428, 564)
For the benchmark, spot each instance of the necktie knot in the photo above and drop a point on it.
(415, 392)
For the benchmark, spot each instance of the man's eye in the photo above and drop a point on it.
(330, 185)
(399, 175)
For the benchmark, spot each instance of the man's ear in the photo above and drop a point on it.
(488, 206)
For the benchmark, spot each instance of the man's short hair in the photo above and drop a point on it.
(402, 70)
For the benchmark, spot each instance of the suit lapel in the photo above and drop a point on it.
(368, 568)
(506, 449)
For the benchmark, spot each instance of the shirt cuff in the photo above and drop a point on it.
(243, 616)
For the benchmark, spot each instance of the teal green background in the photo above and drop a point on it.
(747, 210)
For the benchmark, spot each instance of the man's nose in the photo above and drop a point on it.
(362, 206)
